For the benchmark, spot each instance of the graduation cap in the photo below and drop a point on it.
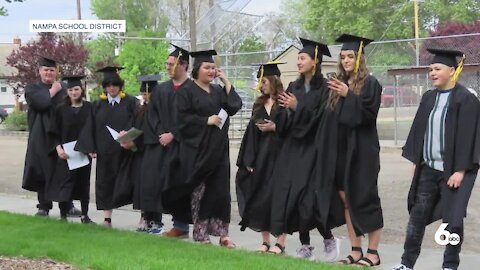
(111, 76)
(204, 56)
(180, 53)
(448, 58)
(47, 62)
(356, 44)
(73, 80)
(268, 69)
(316, 50)
(351, 42)
(149, 82)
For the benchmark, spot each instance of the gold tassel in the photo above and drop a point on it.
(459, 69)
(260, 80)
(122, 95)
(146, 90)
(176, 63)
(360, 52)
(103, 96)
(315, 61)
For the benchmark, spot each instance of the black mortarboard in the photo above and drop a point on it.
(446, 57)
(351, 42)
(269, 69)
(309, 47)
(47, 62)
(149, 82)
(111, 76)
(180, 53)
(73, 80)
(203, 56)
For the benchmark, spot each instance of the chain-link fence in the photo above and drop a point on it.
(401, 93)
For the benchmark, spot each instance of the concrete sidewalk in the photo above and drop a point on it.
(126, 219)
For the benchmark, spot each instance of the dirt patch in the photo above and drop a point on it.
(29, 264)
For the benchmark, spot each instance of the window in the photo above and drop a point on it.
(3, 89)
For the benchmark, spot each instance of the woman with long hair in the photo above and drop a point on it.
(291, 200)
(260, 146)
(66, 124)
(204, 109)
(348, 160)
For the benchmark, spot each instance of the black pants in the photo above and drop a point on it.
(66, 206)
(431, 186)
(44, 204)
(305, 236)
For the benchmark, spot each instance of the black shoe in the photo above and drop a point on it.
(74, 212)
(86, 220)
(42, 213)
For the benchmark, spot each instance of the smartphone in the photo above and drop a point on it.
(332, 75)
(260, 121)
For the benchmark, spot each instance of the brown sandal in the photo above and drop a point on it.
(227, 242)
(265, 247)
(366, 262)
(280, 247)
(350, 260)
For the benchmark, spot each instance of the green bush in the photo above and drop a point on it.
(16, 121)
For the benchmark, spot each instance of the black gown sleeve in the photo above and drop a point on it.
(306, 116)
(231, 102)
(190, 125)
(37, 98)
(467, 140)
(86, 142)
(413, 144)
(54, 130)
(359, 110)
(249, 146)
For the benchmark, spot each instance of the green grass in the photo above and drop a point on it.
(95, 247)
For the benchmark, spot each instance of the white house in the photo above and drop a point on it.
(7, 98)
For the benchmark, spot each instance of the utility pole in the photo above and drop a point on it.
(417, 49)
(193, 25)
(79, 17)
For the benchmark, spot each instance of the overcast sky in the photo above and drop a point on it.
(19, 14)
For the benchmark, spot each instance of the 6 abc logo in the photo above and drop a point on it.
(444, 237)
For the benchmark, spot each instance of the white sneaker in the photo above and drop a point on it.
(331, 249)
(306, 252)
(401, 267)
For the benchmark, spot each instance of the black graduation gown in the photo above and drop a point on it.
(65, 126)
(160, 162)
(204, 149)
(37, 165)
(259, 150)
(95, 138)
(462, 151)
(292, 205)
(127, 184)
(356, 117)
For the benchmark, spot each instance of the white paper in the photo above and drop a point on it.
(113, 132)
(75, 159)
(224, 116)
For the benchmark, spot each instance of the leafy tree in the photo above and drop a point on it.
(71, 58)
(3, 10)
(140, 58)
(468, 45)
